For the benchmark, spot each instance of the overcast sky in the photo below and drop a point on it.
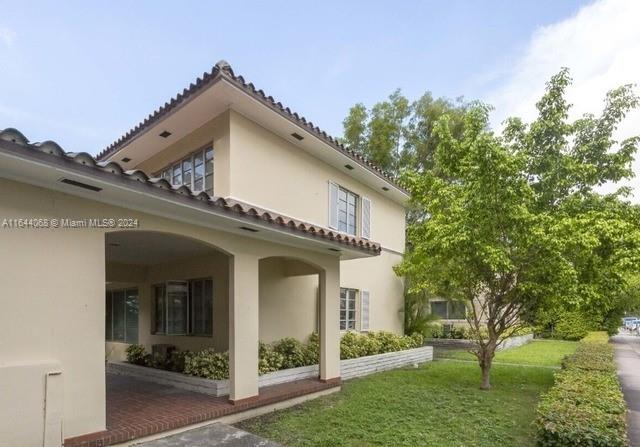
(82, 73)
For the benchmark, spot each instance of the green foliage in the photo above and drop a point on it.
(512, 223)
(312, 350)
(354, 344)
(572, 326)
(585, 406)
(208, 364)
(292, 351)
(268, 359)
(396, 134)
(137, 354)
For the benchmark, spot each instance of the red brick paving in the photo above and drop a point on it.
(136, 408)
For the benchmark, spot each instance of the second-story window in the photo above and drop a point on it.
(194, 171)
(347, 203)
(344, 208)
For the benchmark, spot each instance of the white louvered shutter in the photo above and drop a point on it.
(364, 310)
(366, 218)
(333, 205)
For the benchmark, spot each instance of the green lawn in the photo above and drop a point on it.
(438, 404)
(538, 352)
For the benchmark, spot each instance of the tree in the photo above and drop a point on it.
(512, 222)
(396, 134)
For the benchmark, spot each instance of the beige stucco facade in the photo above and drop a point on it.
(54, 297)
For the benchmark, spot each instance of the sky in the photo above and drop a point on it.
(83, 73)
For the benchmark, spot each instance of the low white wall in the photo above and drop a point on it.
(349, 369)
(448, 343)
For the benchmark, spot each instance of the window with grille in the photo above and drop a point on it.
(347, 309)
(194, 171)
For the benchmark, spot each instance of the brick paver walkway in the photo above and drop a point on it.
(137, 408)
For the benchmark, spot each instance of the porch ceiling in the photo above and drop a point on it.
(149, 248)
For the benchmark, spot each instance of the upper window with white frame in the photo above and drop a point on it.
(194, 171)
(345, 207)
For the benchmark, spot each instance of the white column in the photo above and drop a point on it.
(243, 327)
(330, 323)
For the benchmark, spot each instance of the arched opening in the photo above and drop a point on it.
(164, 291)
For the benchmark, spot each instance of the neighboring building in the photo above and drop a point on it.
(222, 219)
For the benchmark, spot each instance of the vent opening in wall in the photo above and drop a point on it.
(126, 159)
(80, 185)
(335, 249)
(297, 136)
(252, 230)
(384, 188)
(165, 134)
(349, 167)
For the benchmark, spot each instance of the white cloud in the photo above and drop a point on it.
(7, 36)
(601, 47)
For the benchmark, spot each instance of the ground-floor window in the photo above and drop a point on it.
(183, 307)
(121, 322)
(449, 310)
(347, 309)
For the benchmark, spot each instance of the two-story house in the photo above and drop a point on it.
(222, 219)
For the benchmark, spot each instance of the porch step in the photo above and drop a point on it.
(216, 434)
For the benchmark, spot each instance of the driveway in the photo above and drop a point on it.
(628, 360)
(216, 434)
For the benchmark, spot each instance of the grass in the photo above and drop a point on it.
(538, 352)
(437, 404)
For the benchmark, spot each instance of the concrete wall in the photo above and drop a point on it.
(54, 295)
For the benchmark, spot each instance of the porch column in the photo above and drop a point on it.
(243, 327)
(330, 323)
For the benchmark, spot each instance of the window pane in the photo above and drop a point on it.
(208, 184)
(197, 321)
(208, 307)
(197, 185)
(108, 318)
(186, 172)
(457, 310)
(159, 314)
(131, 303)
(118, 315)
(439, 308)
(176, 308)
(209, 161)
(177, 175)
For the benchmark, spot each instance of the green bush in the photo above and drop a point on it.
(354, 344)
(312, 350)
(585, 406)
(268, 359)
(572, 326)
(292, 352)
(137, 354)
(208, 364)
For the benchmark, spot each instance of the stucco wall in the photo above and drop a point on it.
(54, 295)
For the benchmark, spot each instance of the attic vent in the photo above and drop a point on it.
(252, 230)
(334, 249)
(165, 134)
(126, 159)
(349, 167)
(384, 188)
(297, 136)
(80, 185)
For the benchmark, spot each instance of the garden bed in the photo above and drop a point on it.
(349, 369)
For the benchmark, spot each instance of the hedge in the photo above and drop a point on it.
(282, 354)
(585, 407)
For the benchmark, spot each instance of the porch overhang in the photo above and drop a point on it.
(47, 165)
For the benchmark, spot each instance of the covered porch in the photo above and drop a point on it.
(137, 409)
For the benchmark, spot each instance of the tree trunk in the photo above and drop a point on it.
(485, 358)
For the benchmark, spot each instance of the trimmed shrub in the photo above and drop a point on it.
(354, 344)
(572, 326)
(137, 354)
(585, 406)
(292, 352)
(208, 364)
(312, 350)
(268, 359)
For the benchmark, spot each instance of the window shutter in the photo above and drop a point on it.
(364, 310)
(333, 205)
(366, 218)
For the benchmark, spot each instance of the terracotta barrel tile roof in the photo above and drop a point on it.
(222, 70)
(13, 137)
